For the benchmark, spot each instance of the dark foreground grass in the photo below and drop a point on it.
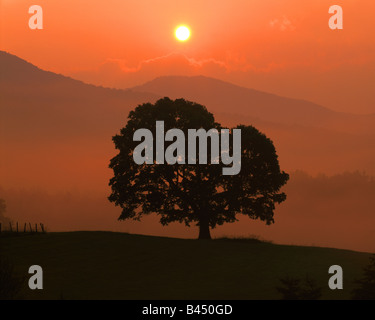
(106, 265)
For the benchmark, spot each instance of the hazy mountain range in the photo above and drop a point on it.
(55, 136)
(229, 99)
(61, 120)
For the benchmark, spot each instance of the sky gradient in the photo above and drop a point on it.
(282, 47)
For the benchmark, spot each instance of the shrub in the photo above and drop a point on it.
(366, 285)
(296, 289)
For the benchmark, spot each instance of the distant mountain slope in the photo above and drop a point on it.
(55, 131)
(228, 98)
(18, 71)
(39, 101)
(307, 136)
(59, 130)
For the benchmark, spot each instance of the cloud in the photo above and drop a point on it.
(117, 72)
(165, 63)
(283, 24)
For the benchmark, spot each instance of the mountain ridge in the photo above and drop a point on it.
(77, 121)
(219, 81)
(14, 68)
(218, 95)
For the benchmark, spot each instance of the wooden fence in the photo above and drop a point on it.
(19, 228)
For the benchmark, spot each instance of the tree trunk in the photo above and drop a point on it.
(204, 230)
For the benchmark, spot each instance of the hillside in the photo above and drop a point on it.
(307, 136)
(58, 129)
(103, 265)
(229, 99)
(46, 105)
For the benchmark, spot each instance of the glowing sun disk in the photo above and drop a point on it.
(182, 33)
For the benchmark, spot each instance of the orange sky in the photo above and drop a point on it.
(278, 46)
(284, 47)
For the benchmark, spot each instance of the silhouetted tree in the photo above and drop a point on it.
(197, 193)
(366, 285)
(296, 289)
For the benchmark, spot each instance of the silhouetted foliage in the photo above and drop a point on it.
(296, 289)
(10, 284)
(366, 285)
(194, 193)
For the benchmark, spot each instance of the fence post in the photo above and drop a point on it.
(42, 227)
(36, 228)
(17, 227)
(10, 226)
(24, 228)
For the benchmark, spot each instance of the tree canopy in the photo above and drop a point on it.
(194, 193)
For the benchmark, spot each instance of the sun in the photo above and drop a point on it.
(182, 33)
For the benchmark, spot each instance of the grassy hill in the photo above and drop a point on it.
(106, 265)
